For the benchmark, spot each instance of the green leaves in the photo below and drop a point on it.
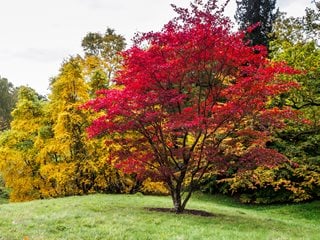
(295, 44)
(8, 98)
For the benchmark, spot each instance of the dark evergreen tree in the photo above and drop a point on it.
(8, 100)
(262, 12)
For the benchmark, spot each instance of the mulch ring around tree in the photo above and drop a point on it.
(186, 211)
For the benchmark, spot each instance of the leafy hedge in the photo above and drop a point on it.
(288, 183)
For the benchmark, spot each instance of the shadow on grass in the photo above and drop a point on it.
(232, 220)
(186, 211)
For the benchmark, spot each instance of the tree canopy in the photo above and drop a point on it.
(102, 58)
(296, 42)
(197, 99)
(8, 100)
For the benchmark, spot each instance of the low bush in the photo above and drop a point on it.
(288, 183)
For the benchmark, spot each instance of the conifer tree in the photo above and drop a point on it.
(260, 12)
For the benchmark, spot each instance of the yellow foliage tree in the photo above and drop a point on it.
(17, 149)
(70, 163)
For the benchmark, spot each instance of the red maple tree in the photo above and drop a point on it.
(190, 99)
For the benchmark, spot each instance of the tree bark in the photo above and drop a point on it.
(177, 203)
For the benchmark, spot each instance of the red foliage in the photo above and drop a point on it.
(261, 156)
(195, 85)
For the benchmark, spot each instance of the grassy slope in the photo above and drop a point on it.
(125, 217)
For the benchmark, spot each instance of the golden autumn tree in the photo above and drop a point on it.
(18, 164)
(70, 163)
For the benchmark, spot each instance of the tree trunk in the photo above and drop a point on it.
(177, 201)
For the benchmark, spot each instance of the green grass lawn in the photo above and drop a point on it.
(126, 217)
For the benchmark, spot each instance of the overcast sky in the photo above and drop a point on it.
(37, 35)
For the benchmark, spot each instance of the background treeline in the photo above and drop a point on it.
(45, 151)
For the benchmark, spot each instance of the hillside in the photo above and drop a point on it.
(127, 217)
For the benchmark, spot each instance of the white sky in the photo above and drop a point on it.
(37, 35)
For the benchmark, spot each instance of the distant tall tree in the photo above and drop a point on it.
(7, 101)
(102, 58)
(262, 12)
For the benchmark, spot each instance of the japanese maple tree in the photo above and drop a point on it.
(190, 99)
